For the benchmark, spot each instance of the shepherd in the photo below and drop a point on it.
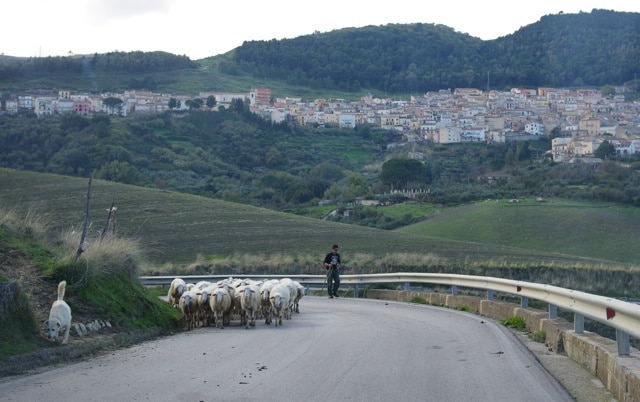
(332, 264)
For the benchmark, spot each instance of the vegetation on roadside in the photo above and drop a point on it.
(515, 322)
(18, 324)
(103, 278)
(418, 300)
(538, 336)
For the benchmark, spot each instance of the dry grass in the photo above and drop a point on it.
(100, 259)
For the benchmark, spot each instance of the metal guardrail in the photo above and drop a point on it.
(623, 316)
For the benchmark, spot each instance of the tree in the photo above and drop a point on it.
(400, 171)
(211, 101)
(556, 132)
(117, 171)
(273, 157)
(173, 103)
(608, 90)
(605, 151)
(238, 106)
(112, 102)
(194, 103)
(327, 171)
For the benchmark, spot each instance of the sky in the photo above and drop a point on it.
(203, 28)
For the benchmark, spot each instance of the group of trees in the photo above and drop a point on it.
(235, 155)
(595, 49)
(113, 62)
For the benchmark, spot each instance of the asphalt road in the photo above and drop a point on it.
(339, 349)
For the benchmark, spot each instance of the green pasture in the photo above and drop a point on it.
(180, 228)
(600, 231)
(415, 210)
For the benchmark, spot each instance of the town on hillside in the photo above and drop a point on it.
(583, 118)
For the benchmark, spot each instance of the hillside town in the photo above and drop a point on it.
(580, 119)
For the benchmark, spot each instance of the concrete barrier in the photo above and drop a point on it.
(598, 355)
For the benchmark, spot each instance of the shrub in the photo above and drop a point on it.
(515, 322)
(418, 300)
(538, 336)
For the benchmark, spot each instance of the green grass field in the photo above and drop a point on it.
(601, 231)
(179, 230)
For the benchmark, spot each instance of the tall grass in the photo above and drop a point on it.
(19, 327)
(102, 259)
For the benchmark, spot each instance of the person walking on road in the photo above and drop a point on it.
(332, 264)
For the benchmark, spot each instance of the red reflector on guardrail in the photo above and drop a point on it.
(610, 313)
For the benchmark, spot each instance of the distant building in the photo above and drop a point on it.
(534, 128)
(346, 120)
(260, 96)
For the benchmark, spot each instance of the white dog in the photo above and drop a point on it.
(59, 316)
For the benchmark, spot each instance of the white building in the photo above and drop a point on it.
(534, 128)
(347, 120)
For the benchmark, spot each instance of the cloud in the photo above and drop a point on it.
(107, 10)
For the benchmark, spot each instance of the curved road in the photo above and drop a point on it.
(340, 349)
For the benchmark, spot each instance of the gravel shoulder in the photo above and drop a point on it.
(582, 386)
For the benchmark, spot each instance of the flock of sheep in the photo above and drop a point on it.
(205, 303)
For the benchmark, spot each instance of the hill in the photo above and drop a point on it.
(597, 230)
(187, 233)
(564, 50)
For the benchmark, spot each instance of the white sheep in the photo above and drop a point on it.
(220, 304)
(293, 294)
(236, 302)
(201, 285)
(250, 303)
(204, 314)
(265, 290)
(299, 295)
(188, 306)
(280, 298)
(176, 289)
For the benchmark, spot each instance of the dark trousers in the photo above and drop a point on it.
(333, 281)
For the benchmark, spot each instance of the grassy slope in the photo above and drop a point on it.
(176, 82)
(176, 228)
(596, 230)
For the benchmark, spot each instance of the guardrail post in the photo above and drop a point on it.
(407, 286)
(578, 323)
(524, 302)
(454, 290)
(489, 294)
(355, 291)
(623, 343)
(553, 311)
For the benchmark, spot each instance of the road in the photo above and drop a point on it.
(335, 349)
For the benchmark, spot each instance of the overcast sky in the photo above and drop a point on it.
(203, 28)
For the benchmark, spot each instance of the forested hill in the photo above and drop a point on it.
(122, 62)
(595, 49)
